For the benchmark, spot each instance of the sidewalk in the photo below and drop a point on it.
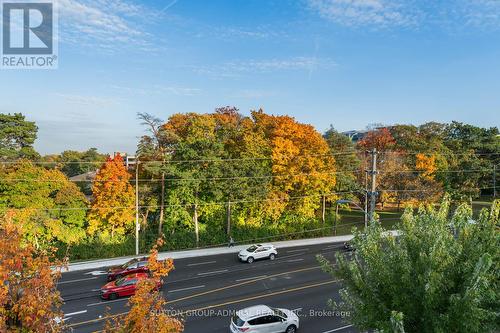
(94, 264)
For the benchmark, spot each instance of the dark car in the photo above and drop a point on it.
(126, 286)
(136, 265)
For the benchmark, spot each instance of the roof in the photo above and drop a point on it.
(254, 311)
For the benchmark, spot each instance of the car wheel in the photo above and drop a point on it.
(113, 296)
(291, 329)
(250, 260)
(272, 256)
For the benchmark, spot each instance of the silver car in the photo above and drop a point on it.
(258, 251)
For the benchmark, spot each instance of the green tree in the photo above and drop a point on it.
(49, 205)
(441, 274)
(17, 137)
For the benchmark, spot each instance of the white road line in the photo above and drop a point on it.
(333, 246)
(77, 280)
(202, 263)
(298, 250)
(251, 278)
(213, 272)
(338, 329)
(294, 260)
(189, 288)
(75, 313)
(96, 289)
(107, 302)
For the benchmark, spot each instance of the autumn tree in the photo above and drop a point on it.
(51, 207)
(380, 139)
(148, 307)
(113, 206)
(29, 300)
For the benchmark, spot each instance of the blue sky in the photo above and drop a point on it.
(348, 63)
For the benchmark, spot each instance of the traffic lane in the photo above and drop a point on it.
(192, 264)
(309, 303)
(184, 298)
(215, 317)
(87, 285)
(258, 269)
(244, 290)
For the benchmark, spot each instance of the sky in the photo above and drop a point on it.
(345, 63)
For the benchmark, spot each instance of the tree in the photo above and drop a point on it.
(17, 137)
(381, 139)
(155, 148)
(50, 206)
(29, 300)
(147, 307)
(440, 274)
(113, 205)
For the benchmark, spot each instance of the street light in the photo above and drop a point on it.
(347, 201)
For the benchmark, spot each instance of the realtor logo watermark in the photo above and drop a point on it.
(29, 35)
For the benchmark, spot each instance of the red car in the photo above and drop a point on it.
(136, 265)
(125, 286)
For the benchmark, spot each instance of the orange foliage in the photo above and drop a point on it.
(112, 208)
(29, 301)
(301, 164)
(147, 313)
(381, 139)
(426, 164)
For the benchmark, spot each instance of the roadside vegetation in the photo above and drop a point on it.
(204, 177)
(439, 274)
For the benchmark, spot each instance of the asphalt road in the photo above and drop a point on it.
(205, 291)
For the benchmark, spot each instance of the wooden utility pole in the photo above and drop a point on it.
(373, 187)
(228, 216)
(196, 227)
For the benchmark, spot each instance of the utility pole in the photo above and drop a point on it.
(228, 213)
(373, 193)
(137, 226)
(495, 181)
(323, 209)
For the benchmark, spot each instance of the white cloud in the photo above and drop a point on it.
(366, 12)
(241, 67)
(103, 24)
(156, 90)
(87, 100)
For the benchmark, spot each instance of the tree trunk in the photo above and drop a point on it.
(196, 227)
(162, 204)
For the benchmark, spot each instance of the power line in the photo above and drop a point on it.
(355, 151)
(240, 177)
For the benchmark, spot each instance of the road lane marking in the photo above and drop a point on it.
(107, 302)
(97, 273)
(251, 278)
(221, 304)
(299, 250)
(213, 272)
(77, 280)
(333, 246)
(74, 313)
(202, 263)
(260, 296)
(294, 260)
(338, 329)
(200, 294)
(189, 288)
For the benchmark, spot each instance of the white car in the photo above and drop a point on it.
(264, 319)
(258, 251)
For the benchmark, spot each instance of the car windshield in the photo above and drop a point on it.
(128, 263)
(119, 282)
(238, 321)
(280, 313)
(252, 248)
